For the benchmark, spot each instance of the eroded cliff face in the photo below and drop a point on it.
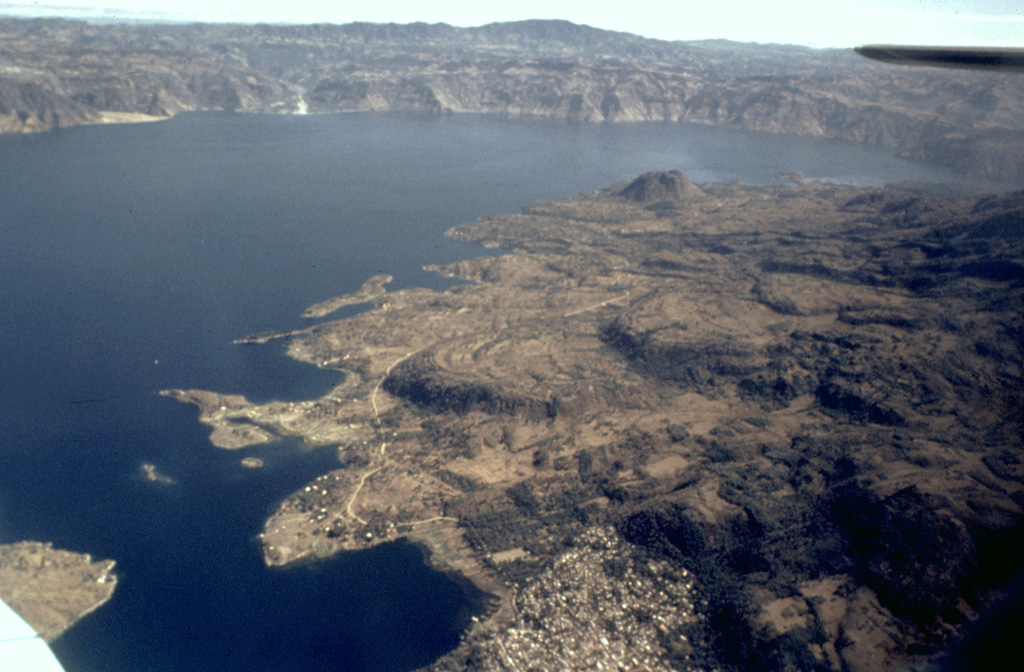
(62, 73)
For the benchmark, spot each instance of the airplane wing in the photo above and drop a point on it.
(21, 649)
(971, 58)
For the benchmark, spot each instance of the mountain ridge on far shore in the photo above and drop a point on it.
(60, 73)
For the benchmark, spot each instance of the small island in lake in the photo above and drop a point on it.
(734, 424)
(154, 476)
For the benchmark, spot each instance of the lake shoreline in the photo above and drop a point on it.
(281, 212)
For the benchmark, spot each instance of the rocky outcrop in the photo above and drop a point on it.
(654, 187)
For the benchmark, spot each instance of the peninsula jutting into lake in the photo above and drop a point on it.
(798, 405)
(757, 413)
(53, 589)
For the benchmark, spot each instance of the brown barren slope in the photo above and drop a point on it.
(778, 427)
(53, 589)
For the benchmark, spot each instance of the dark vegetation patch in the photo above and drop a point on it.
(418, 382)
(926, 566)
(690, 364)
(919, 561)
(848, 399)
(459, 481)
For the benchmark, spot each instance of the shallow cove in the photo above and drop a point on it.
(135, 254)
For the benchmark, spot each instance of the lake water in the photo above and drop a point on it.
(133, 255)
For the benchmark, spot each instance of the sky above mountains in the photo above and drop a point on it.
(838, 23)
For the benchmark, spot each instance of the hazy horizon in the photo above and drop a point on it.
(845, 23)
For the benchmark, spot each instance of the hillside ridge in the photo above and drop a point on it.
(60, 73)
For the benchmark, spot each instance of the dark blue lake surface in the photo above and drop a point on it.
(133, 255)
